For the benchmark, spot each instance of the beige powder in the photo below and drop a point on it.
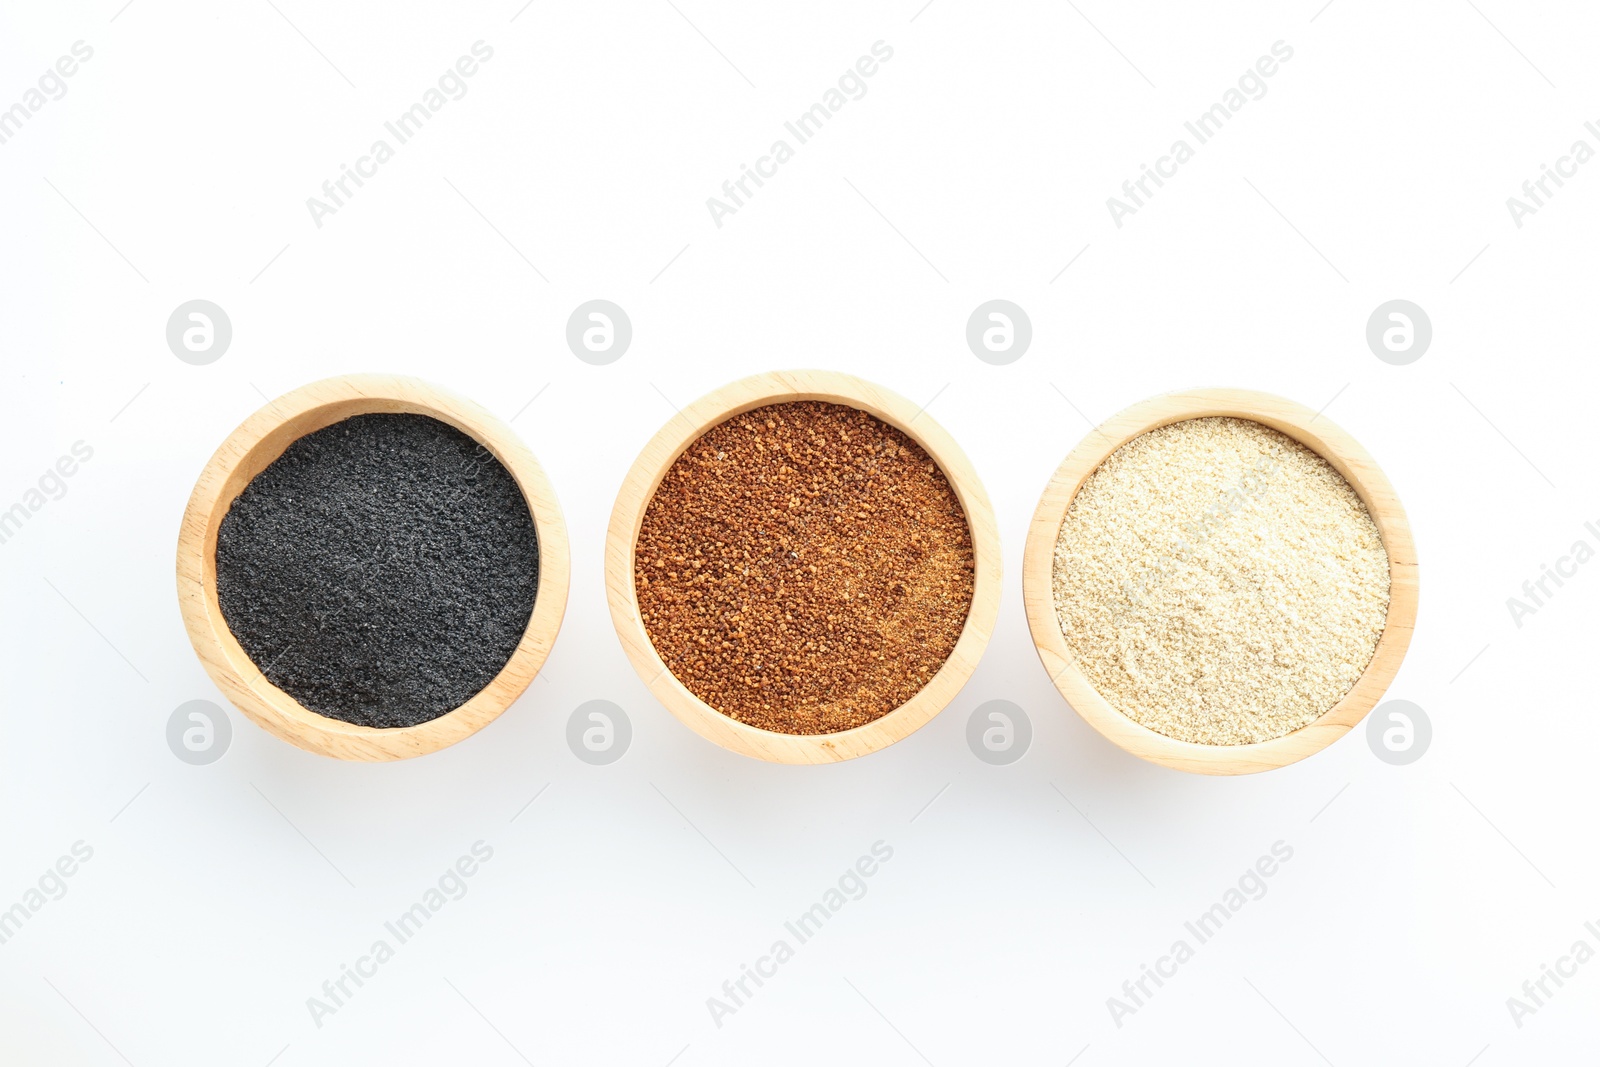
(1219, 582)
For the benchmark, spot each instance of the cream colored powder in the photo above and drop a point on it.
(1219, 582)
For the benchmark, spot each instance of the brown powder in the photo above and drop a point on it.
(1219, 582)
(804, 568)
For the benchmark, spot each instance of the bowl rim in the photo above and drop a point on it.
(1309, 428)
(262, 438)
(761, 390)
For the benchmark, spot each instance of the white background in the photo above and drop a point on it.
(1419, 898)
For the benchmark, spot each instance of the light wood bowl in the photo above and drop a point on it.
(1316, 433)
(686, 428)
(262, 438)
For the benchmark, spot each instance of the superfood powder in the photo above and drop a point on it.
(381, 571)
(804, 568)
(1219, 582)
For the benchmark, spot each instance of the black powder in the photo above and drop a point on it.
(381, 571)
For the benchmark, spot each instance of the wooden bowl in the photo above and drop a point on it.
(1316, 433)
(775, 388)
(262, 438)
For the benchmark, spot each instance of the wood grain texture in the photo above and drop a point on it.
(262, 438)
(683, 430)
(1316, 433)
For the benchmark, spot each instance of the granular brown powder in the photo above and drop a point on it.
(804, 568)
(1220, 582)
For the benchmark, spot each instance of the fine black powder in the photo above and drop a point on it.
(381, 571)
